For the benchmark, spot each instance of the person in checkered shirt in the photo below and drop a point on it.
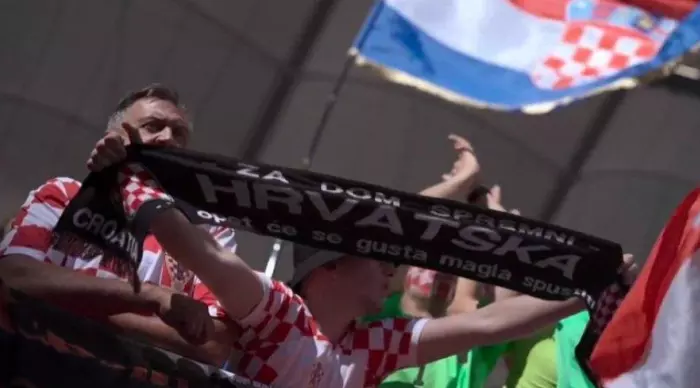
(306, 334)
(172, 311)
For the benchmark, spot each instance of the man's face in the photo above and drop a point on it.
(159, 122)
(366, 281)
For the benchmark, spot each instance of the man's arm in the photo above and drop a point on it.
(500, 322)
(234, 283)
(113, 302)
(237, 286)
(493, 201)
(456, 185)
(28, 263)
(152, 330)
(76, 292)
(447, 189)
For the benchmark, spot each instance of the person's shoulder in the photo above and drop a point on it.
(280, 295)
(30, 232)
(278, 287)
(280, 308)
(64, 188)
(54, 193)
(391, 344)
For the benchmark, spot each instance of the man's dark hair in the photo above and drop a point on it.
(155, 91)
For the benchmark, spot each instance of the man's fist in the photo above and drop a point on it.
(111, 149)
(629, 269)
(189, 317)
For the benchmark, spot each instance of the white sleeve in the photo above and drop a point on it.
(279, 309)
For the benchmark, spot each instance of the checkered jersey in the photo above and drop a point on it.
(607, 305)
(31, 234)
(138, 187)
(282, 344)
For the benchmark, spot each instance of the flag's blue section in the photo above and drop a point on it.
(556, 57)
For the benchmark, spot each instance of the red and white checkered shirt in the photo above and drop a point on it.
(31, 234)
(283, 345)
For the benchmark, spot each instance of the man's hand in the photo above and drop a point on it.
(629, 269)
(189, 317)
(459, 181)
(111, 149)
(467, 166)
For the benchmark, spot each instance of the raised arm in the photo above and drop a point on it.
(493, 202)
(506, 320)
(237, 287)
(235, 284)
(510, 319)
(459, 181)
(456, 185)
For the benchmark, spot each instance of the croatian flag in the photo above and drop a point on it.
(653, 340)
(526, 55)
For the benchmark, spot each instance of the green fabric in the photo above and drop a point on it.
(548, 361)
(391, 309)
(481, 362)
(567, 336)
(533, 362)
(479, 366)
(441, 373)
(532, 359)
(470, 370)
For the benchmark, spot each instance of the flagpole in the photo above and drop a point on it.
(332, 97)
(308, 159)
(329, 107)
(571, 174)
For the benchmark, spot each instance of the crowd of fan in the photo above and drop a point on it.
(340, 322)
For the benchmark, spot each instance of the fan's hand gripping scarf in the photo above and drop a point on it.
(498, 248)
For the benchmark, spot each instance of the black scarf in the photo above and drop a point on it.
(498, 248)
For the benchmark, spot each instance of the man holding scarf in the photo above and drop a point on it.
(164, 313)
(300, 338)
